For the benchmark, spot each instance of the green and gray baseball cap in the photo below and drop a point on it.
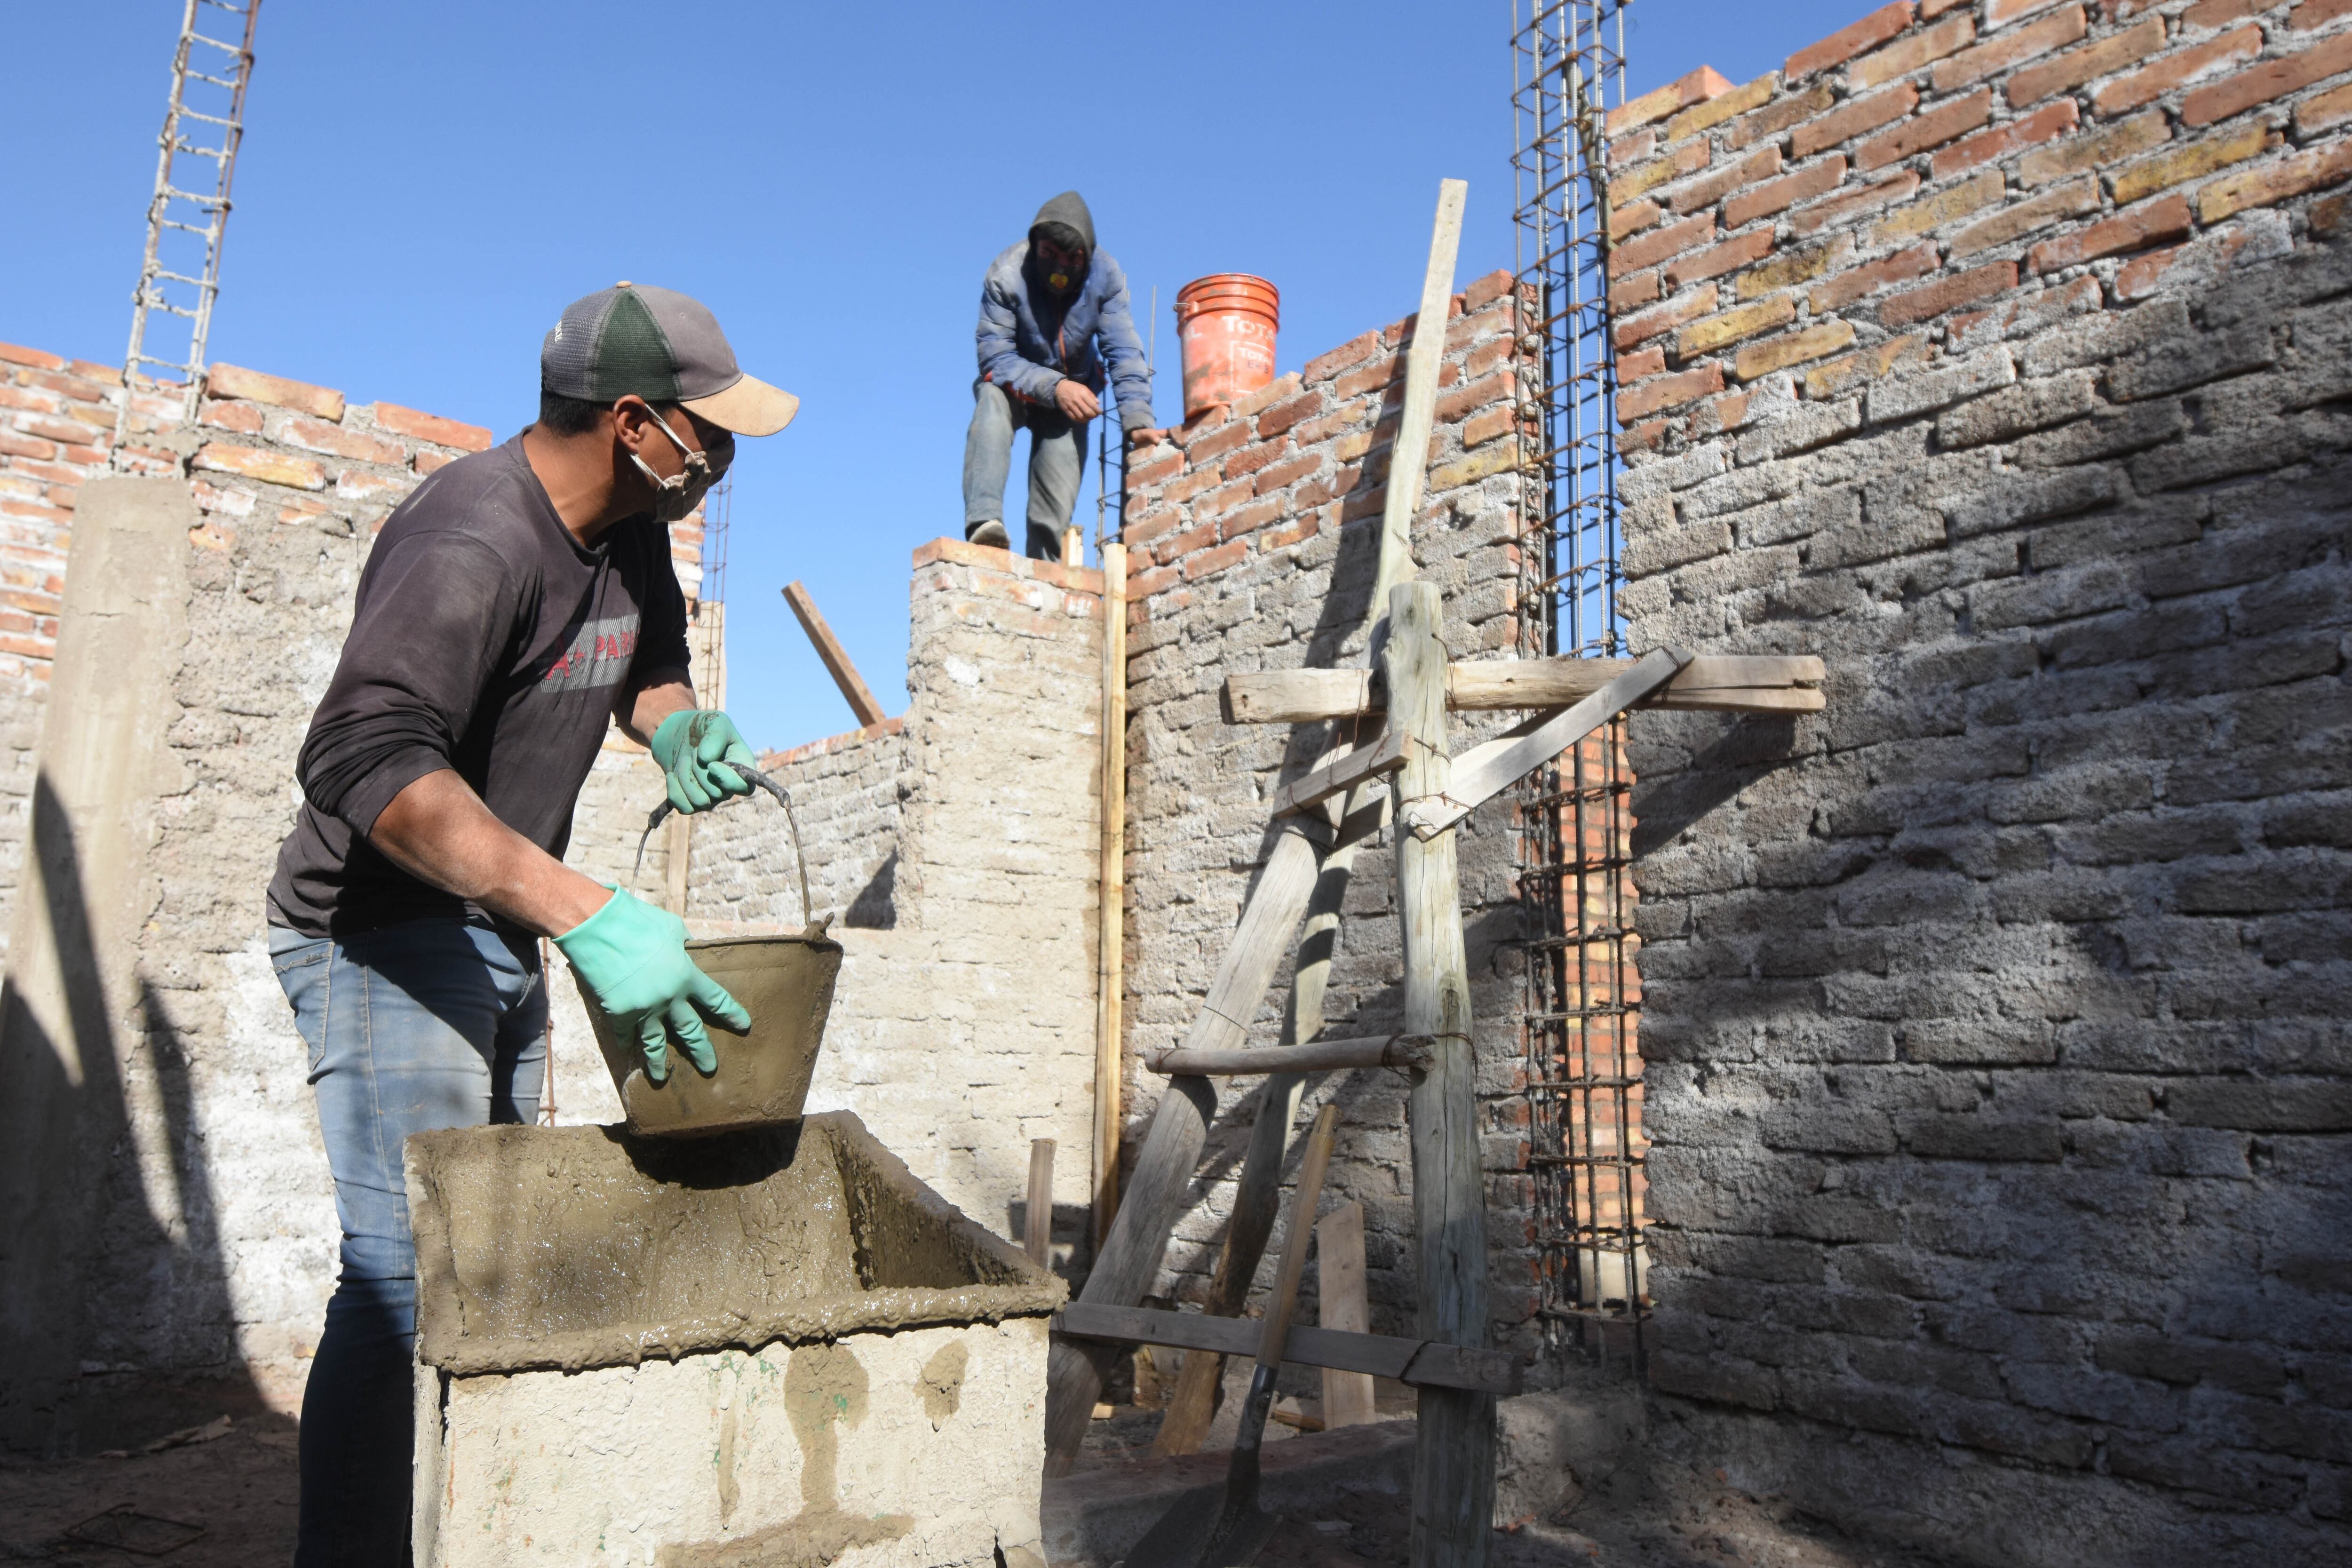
(662, 347)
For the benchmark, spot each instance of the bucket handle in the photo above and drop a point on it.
(783, 798)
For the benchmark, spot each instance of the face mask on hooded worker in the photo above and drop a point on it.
(675, 498)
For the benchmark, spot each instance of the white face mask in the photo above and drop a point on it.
(675, 498)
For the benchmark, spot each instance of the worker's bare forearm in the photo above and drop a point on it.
(438, 831)
(641, 711)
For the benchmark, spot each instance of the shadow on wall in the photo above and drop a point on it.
(97, 1178)
(1999, 1086)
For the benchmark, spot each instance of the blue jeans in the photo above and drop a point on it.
(424, 1024)
(1057, 465)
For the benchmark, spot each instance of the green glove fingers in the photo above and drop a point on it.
(694, 747)
(631, 958)
(713, 999)
(687, 1029)
(655, 1044)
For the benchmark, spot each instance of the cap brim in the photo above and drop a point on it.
(749, 407)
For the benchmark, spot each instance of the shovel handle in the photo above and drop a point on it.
(1293, 1246)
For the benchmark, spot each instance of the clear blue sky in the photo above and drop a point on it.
(423, 185)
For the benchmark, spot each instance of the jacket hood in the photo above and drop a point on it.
(1068, 209)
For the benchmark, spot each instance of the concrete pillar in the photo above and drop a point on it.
(71, 999)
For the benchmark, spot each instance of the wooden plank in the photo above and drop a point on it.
(1408, 453)
(1037, 1228)
(1074, 547)
(1424, 1364)
(1453, 1458)
(1728, 682)
(1299, 696)
(1384, 756)
(1111, 906)
(1484, 772)
(1339, 1288)
(836, 659)
(1316, 1056)
(1164, 1166)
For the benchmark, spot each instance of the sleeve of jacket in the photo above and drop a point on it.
(1130, 373)
(998, 339)
(423, 647)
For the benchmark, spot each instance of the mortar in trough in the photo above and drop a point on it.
(785, 983)
(772, 1347)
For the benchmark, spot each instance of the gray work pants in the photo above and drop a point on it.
(1057, 461)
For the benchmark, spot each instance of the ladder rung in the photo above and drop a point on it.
(166, 306)
(228, 82)
(208, 230)
(196, 37)
(181, 278)
(212, 203)
(187, 113)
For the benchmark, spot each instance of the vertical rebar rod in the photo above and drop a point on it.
(1581, 997)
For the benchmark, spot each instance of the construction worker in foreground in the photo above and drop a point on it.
(1045, 305)
(518, 603)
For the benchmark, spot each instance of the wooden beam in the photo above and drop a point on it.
(1409, 454)
(1110, 932)
(1384, 756)
(836, 659)
(1425, 1363)
(1482, 772)
(1721, 682)
(1344, 1306)
(1130, 1256)
(1453, 1459)
(1037, 1219)
(1401, 1051)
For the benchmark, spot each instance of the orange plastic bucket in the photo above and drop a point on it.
(1226, 322)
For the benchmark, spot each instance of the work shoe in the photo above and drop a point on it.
(991, 535)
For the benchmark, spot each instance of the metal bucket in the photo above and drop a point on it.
(786, 984)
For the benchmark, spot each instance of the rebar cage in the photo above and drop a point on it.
(1578, 1021)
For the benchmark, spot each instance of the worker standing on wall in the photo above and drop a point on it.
(518, 603)
(1045, 306)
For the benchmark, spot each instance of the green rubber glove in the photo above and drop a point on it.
(694, 746)
(632, 957)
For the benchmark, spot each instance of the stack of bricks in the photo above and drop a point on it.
(1253, 540)
(1917, 181)
(1994, 1018)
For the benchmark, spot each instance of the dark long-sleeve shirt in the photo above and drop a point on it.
(484, 638)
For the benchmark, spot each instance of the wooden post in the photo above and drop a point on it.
(837, 658)
(1164, 1167)
(1190, 1411)
(1074, 548)
(1038, 1230)
(1339, 1286)
(1454, 1468)
(1111, 926)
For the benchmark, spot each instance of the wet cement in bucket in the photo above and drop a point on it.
(785, 983)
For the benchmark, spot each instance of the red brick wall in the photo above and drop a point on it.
(1913, 184)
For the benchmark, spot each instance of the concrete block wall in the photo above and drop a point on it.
(957, 847)
(1252, 540)
(210, 1244)
(1995, 1018)
(56, 429)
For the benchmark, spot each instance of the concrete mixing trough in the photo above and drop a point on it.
(771, 1348)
